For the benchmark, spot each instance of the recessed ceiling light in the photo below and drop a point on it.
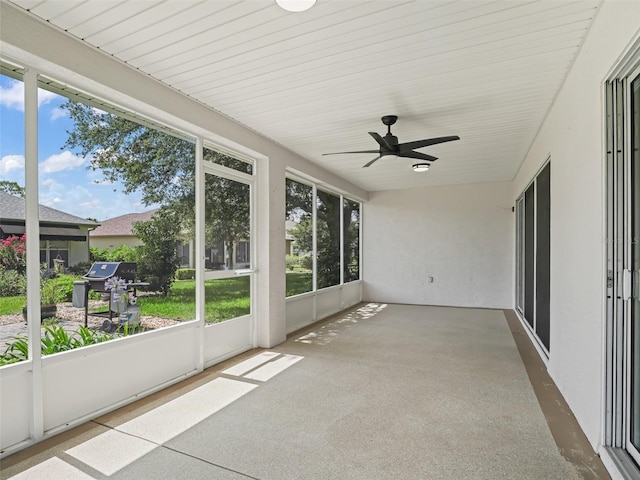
(295, 5)
(420, 167)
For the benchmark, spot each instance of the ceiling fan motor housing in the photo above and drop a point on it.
(392, 140)
(389, 119)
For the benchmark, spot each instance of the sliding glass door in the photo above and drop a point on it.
(533, 255)
(634, 401)
(623, 265)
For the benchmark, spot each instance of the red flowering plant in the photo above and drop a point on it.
(13, 254)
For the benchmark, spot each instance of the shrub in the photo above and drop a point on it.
(12, 254)
(98, 254)
(12, 283)
(123, 253)
(50, 292)
(47, 273)
(292, 261)
(56, 339)
(65, 287)
(186, 274)
(306, 262)
(154, 283)
(158, 260)
(79, 268)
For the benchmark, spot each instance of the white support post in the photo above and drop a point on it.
(33, 248)
(199, 255)
(314, 235)
(254, 237)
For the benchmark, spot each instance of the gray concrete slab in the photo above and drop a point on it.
(410, 392)
(164, 464)
(382, 392)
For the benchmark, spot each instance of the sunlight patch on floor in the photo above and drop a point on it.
(177, 416)
(273, 368)
(327, 332)
(250, 364)
(54, 468)
(100, 452)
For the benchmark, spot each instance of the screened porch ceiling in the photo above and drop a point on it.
(318, 81)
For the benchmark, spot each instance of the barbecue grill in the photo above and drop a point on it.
(101, 271)
(95, 278)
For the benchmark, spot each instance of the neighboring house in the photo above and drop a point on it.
(117, 231)
(62, 236)
(289, 239)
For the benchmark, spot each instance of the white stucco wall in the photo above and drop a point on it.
(572, 135)
(462, 236)
(78, 252)
(113, 241)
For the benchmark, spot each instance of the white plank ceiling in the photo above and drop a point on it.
(319, 80)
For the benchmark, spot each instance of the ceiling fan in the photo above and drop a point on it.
(389, 145)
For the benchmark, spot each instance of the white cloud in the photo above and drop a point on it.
(84, 201)
(48, 182)
(96, 177)
(11, 162)
(45, 96)
(92, 204)
(61, 161)
(13, 96)
(57, 113)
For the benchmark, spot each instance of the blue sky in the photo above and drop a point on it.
(65, 183)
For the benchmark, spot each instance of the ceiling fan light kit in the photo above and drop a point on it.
(295, 5)
(389, 147)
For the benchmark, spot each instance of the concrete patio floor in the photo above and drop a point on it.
(377, 392)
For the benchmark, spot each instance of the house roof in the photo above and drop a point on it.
(12, 208)
(122, 225)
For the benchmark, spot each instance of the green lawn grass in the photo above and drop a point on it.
(298, 282)
(11, 305)
(224, 298)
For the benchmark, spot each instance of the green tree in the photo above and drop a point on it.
(12, 188)
(157, 256)
(328, 245)
(227, 208)
(159, 165)
(162, 167)
(303, 235)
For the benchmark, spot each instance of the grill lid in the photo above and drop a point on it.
(104, 270)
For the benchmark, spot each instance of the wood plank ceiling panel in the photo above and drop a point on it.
(319, 80)
(151, 37)
(154, 14)
(73, 18)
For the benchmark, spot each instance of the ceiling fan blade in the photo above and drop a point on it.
(405, 147)
(360, 151)
(372, 161)
(381, 141)
(418, 155)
